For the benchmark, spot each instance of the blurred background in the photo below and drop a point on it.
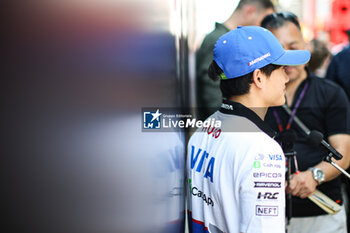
(76, 75)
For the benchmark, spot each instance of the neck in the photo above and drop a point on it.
(292, 86)
(234, 21)
(258, 108)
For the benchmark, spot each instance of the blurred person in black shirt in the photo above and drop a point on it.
(321, 105)
(338, 71)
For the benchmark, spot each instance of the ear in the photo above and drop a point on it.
(258, 78)
(249, 10)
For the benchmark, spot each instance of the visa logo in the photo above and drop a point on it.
(275, 157)
(202, 156)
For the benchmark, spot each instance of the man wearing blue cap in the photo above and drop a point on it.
(236, 178)
(247, 13)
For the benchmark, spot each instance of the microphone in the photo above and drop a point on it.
(316, 138)
(287, 139)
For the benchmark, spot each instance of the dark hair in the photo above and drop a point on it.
(277, 20)
(319, 53)
(236, 86)
(347, 32)
(265, 4)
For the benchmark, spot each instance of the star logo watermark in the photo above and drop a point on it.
(152, 120)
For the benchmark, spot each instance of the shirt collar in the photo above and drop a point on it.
(234, 108)
(308, 73)
(222, 26)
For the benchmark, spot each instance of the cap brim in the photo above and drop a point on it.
(293, 58)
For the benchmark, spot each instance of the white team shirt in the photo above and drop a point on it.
(236, 176)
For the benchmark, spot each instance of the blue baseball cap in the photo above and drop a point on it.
(245, 49)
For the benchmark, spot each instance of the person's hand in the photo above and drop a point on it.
(302, 184)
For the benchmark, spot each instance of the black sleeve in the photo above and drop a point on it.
(337, 113)
(332, 71)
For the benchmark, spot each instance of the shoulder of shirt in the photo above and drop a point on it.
(235, 123)
(253, 141)
(214, 35)
(342, 53)
(323, 82)
(242, 127)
